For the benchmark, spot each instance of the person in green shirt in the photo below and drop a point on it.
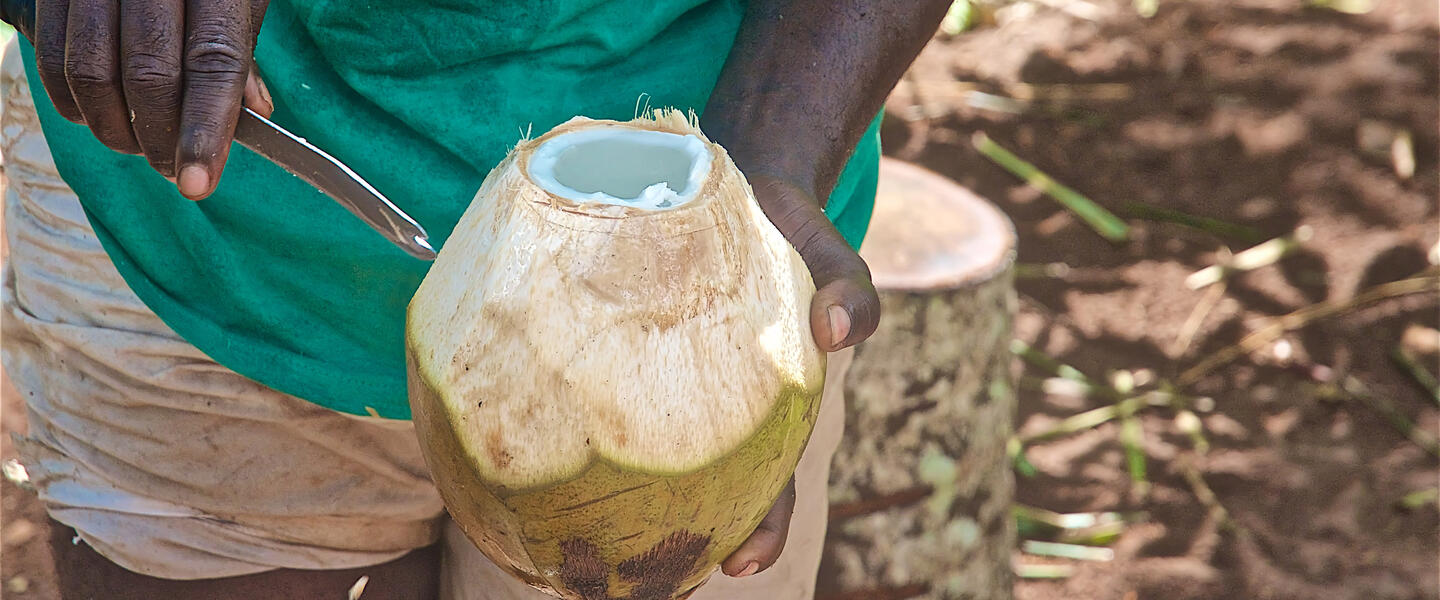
(277, 320)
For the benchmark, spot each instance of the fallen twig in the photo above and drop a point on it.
(1192, 324)
(1191, 425)
(1063, 521)
(1024, 571)
(1055, 270)
(1046, 362)
(1354, 388)
(1086, 529)
(1071, 551)
(1418, 372)
(1207, 496)
(1054, 386)
(986, 101)
(1132, 435)
(1301, 318)
(1097, 217)
(1349, 7)
(359, 588)
(1264, 254)
(1097, 416)
(1126, 401)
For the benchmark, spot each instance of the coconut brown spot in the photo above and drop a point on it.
(495, 445)
(660, 570)
(656, 573)
(615, 423)
(582, 570)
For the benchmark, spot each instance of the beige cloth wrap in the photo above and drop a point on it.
(173, 466)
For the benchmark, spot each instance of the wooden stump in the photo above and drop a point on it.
(921, 487)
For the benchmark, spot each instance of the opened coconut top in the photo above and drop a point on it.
(621, 166)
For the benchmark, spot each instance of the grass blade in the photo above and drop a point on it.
(1102, 221)
(1132, 437)
(1217, 227)
(1044, 571)
(1419, 498)
(1418, 372)
(1071, 551)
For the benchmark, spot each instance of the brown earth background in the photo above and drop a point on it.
(1269, 114)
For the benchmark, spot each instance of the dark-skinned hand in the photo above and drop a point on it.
(844, 311)
(802, 84)
(162, 78)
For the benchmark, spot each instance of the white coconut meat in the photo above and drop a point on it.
(622, 166)
(614, 292)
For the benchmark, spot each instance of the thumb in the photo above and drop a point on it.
(759, 551)
(845, 309)
(257, 96)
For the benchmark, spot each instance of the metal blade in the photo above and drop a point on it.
(331, 176)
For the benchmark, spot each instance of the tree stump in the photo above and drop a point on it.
(921, 486)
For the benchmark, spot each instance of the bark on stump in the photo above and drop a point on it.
(921, 487)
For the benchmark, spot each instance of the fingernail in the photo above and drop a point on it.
(839, 324)
(750, 569)
(265, 94)
(194, 181)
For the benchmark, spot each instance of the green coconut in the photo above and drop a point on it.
(611, 368)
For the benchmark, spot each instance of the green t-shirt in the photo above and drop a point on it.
(272, 279)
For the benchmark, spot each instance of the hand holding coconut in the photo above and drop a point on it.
(797, 92)
(843, 312)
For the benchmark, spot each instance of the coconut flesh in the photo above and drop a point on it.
(611, 369)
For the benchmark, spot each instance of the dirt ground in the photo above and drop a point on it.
(1247, 111)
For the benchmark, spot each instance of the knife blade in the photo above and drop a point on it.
(329, 175)
(294, 154)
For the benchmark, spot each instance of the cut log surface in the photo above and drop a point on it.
(921, 487)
